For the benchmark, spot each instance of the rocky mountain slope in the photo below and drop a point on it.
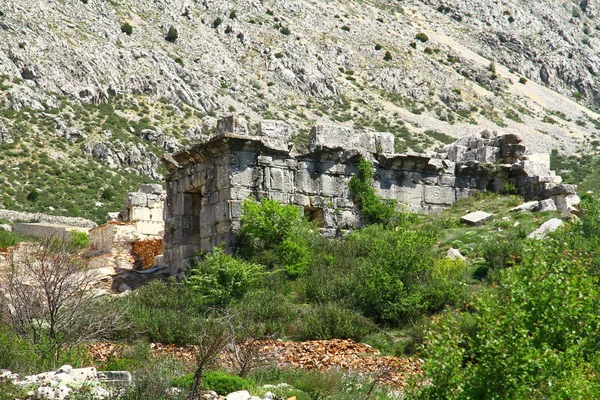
(92, 92)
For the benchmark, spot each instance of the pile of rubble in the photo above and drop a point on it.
(343, 354)
(67, 381)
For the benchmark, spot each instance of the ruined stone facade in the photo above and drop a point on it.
(208, 183)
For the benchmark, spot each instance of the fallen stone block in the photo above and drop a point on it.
(546, 205)
(549, 226)
(529, 206)
(476, 218)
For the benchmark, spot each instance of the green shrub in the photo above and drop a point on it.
(220, 278)
(523, 80)
(285, 30)
(126, 28)
(218, 21)
(232, 14)
(345, 28)
(387, 56)
(33, 196)
(265, 313)
(331, 321)
(17, 354)
(80, 239)
(220, 382)
(373, 209)
(172, 34)
(165, 312)
(276, 235)
(536, 337)
(223, 383)
(8, 238)
(422, 37)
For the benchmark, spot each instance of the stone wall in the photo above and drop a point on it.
(208, 183)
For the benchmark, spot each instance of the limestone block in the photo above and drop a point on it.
(265, 160)
(232, 124)
(242, 177)
(300, 200)
(332, 185)
(222, 211)
(331, 136)
(276, 179)
(546, 205)
(439, 195)
(275, 129)
(235, 209)
(348, 219)
(155, 201)
(223, 227)
(156, 214)
(238, 193)
(528, 206)
(305, 184)
(457, 153)
(454, 254)
(279, 196)
(151, 188)
(83, 374)
(549, 226)
(412, 195)
(447, 180)
(476, 218)
(139, 214)
(540, 158)
(563, 189)
(136, 199)
(487, 154)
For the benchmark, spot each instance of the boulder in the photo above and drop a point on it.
(546, 205)
(454, 254)
(239, 395)
(529, 206)
(549, 226)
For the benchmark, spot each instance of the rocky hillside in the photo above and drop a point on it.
(92, 92)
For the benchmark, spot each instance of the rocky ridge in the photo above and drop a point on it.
(81, 89)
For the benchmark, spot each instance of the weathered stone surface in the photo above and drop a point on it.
(202, 213)
(454, 254)
(476, 218)
(275, 129)
(547, 227)
(528, 206)
(546, 205)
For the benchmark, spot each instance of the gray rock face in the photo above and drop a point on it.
(332, 136)
(547, 227)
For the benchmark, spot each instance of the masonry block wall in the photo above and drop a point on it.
(208, 183)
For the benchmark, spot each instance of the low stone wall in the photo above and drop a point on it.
(208, 183)
(18, 216)
(41, 230)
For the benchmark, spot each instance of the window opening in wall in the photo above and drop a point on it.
(192, 201)
(315, 214)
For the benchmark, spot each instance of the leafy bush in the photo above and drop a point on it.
(285, 30)
(223, 383)
(165, 312)
(265, 313)
(126, 28)
(331, 321)
(172, 34)
(276, 235)
(8, 238)
(387, 56)
(218, 21)
(373, 209)
(220, 279)
(80, 239)
(422, 37)
(536, 334)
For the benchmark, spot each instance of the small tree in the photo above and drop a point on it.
(48, 298)
(172, 34)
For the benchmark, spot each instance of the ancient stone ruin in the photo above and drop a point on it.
(208, 182)
(131, 240)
